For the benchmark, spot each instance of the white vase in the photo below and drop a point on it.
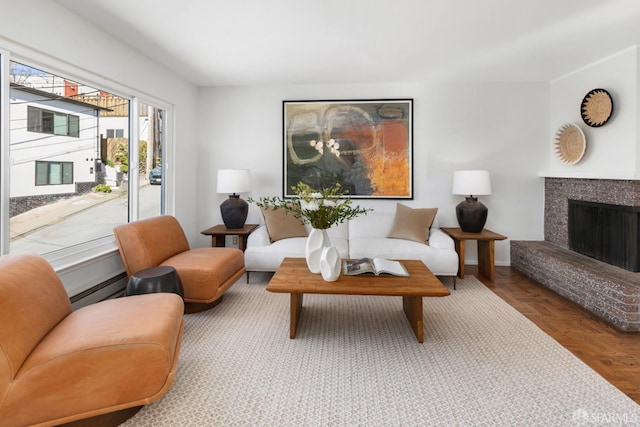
(330, 264)
(318, 240)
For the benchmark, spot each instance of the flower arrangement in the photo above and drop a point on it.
(320, 208)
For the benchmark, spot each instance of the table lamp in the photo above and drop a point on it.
(234, 210)
(471, 214)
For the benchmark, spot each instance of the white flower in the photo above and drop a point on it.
(312, 142)
(316, 195)
(311, 206)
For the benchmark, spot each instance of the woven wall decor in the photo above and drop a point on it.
(596, 107)
(570, 143)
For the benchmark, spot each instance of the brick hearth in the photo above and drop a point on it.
(607, 291)
(610, 292)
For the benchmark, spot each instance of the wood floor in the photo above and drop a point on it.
(613, 354)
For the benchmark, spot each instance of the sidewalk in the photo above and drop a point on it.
(54, 213)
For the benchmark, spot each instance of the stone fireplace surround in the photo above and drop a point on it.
(610, 292)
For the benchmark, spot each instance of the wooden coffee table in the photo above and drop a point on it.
(293, 276)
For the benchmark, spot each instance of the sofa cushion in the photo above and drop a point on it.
(262, 257)
(412, 224)
(206, 270)
(282, 224)
(441, 261)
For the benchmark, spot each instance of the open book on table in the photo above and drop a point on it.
(376, 266)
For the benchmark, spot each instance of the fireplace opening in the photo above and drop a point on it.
(606, 232)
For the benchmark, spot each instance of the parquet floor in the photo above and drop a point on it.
(613, 354)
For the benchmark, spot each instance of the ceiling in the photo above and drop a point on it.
(258, 42)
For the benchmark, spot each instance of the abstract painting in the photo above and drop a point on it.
(365, 145)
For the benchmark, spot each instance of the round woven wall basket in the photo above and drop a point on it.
(596, 107)
(570, 143)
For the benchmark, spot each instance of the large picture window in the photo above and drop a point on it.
(54, 173)
(82, 162)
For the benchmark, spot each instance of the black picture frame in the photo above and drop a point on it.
(365, 145)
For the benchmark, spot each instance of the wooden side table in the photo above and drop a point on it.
(219, 232)
(486, 249)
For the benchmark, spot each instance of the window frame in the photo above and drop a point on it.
(49, 164)
(115, 133)
(40, 127)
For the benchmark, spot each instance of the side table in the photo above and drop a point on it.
(219, 232)
(486, 249)
(155, 279)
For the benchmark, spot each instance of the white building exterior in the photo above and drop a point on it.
(54, 142)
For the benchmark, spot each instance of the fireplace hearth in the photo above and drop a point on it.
(594, 260)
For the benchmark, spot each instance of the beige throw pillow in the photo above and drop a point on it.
(412, 224)
(282, 224)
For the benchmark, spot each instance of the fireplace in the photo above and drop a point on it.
(604, 216)
(606, 232)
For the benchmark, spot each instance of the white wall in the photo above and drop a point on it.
(502, 127)
(612, 150)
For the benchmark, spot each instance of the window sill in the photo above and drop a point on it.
(83, 266)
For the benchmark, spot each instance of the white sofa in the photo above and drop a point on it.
(364, 236)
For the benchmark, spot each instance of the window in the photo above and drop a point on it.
(150, 147)
(52, 122)
(95, 154)
(53, 173)
(115, 133)
(66, 188)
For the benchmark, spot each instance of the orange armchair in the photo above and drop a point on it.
(206, 273)
(59, 366)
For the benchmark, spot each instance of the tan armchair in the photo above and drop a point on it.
(206, 273)
(59, 366)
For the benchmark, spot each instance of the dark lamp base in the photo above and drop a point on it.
(472, 215)
(234, 212)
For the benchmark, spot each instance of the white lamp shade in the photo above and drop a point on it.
(233, 181)
(471, 183)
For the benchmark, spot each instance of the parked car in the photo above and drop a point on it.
(155, 176)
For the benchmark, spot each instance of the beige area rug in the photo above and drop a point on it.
(355, 361)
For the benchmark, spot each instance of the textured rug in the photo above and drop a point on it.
(355, 361)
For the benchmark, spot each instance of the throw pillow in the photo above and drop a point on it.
(412, 224)
(282, 224)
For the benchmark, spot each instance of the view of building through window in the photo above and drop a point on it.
(150, 148)
(70, 147)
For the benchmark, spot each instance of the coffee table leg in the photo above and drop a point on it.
(296, 309)
(413, 310)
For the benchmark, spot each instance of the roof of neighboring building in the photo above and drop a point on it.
(56, 97)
